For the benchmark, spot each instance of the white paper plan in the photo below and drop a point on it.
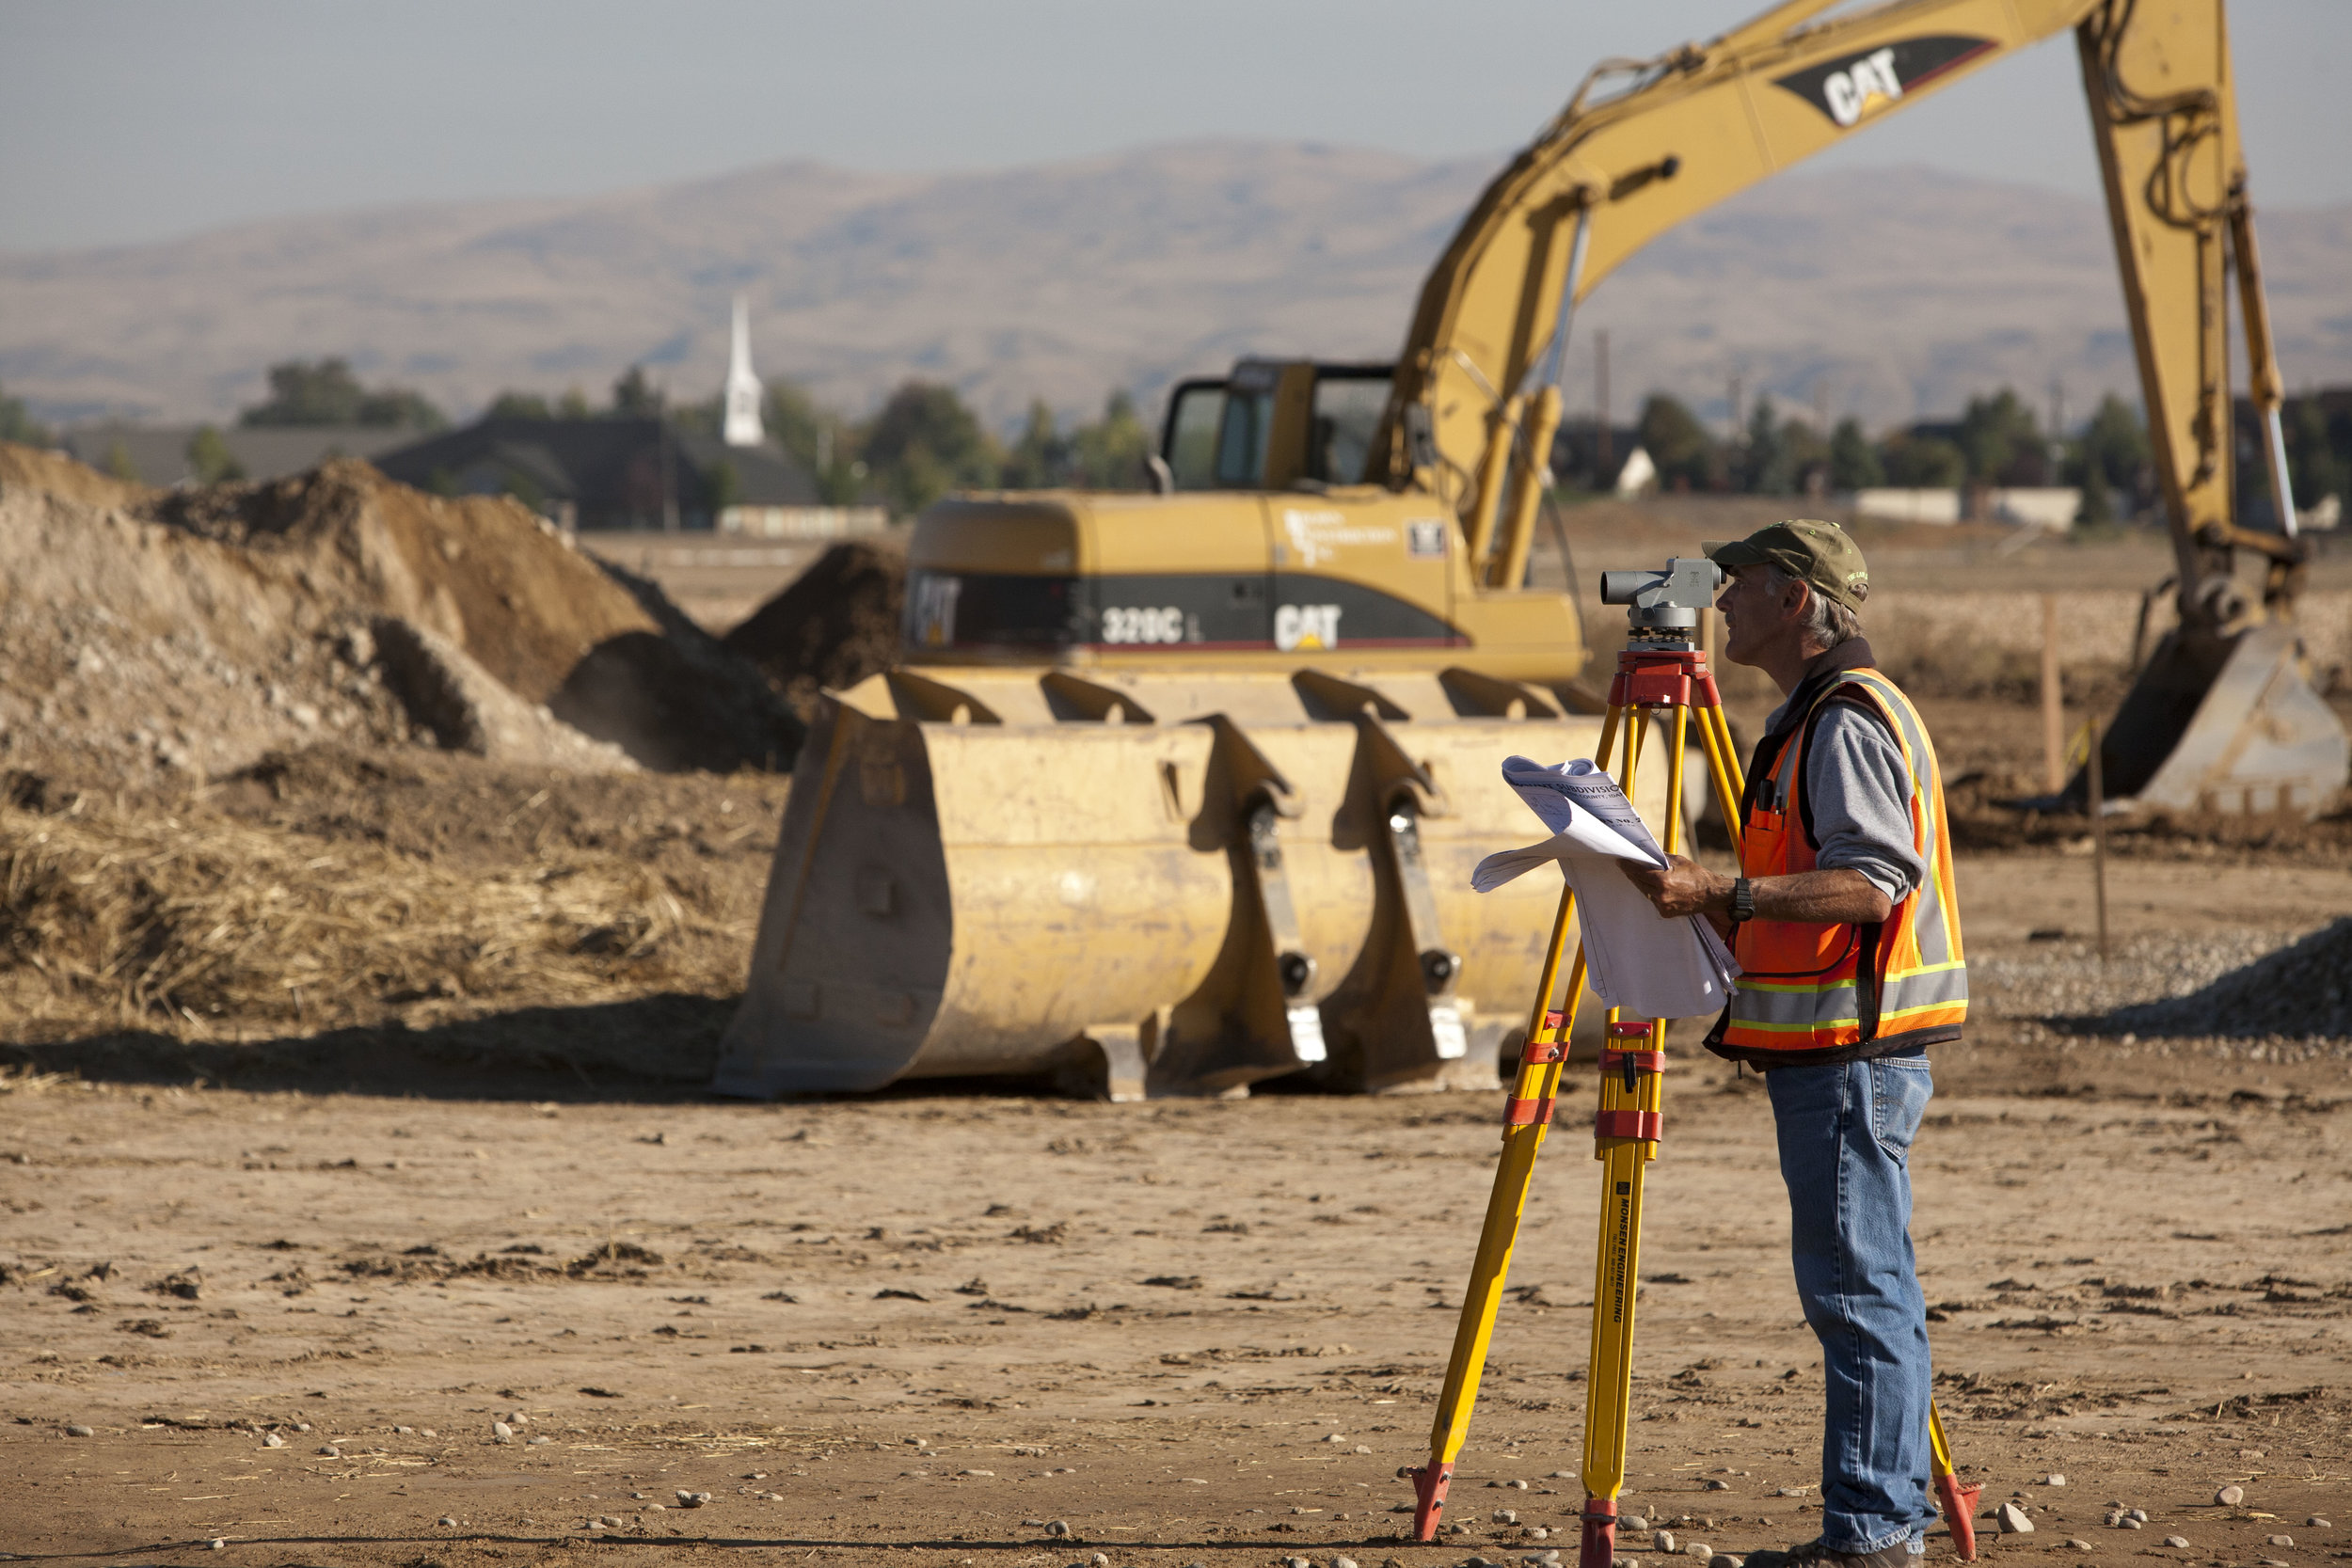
(1650, 967)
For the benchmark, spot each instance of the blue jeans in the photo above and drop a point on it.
(1845, 1140)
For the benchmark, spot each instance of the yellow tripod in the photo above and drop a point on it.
(1660, 671)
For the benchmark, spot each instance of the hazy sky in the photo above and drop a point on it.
(125, 121)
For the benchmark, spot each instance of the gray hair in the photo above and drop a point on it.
(1826, 620)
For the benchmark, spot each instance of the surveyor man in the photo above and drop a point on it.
(1846, 929)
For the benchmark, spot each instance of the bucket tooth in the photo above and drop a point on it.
(1326, 696)
(1397, 1020)
(1254, 1015)
(1481, 696)
(1072, 699)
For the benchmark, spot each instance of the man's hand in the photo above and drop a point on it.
(1680, 887)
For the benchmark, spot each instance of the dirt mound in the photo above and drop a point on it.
(677, 698)
(2299, 992)
(198, 629)
(834, 626)
(53, 473)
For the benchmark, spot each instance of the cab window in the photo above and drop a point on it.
(1195, 410)
(1346, 413)
(1241, 441)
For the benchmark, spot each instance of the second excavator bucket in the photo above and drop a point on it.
(1027, 873)
(2223, 722)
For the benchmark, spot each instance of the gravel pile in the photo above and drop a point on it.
(2243, 986)
(2303, 990)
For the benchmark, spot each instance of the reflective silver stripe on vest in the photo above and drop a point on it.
(1791, 1010)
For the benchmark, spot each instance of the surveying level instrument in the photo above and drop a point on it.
(1661, 677)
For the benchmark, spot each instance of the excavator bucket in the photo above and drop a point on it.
(2221, 722)
(1152, 885)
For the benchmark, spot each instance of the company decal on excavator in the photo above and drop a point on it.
(1289, 611)
(1855, 84)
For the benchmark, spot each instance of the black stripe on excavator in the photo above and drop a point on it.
(1845, 88)
(1288, 610)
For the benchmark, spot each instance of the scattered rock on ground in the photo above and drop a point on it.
(2012, 1520)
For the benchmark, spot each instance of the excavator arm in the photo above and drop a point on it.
(1646, 144)
(2220, 715)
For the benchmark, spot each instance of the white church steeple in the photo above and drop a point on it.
(743, 428)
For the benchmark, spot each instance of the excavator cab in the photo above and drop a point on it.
(1274, 424)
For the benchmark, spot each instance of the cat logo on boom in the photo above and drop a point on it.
(1851, 85)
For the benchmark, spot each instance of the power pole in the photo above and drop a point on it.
(669, 474)
(1601, 453)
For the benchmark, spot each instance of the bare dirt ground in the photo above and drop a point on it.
(273, 1260)
(920, 1328)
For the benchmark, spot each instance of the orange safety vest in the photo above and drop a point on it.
(1814, 992)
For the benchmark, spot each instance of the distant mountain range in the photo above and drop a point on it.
(1895, 293)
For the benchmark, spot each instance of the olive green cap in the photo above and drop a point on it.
(1823, 555)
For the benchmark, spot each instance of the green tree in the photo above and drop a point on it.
(18, 426)
(1110, 453)
(517, 405)
(923, 443)
(725, 487)
(573, 405)
(2111, 453)
(515, 482)
(797, 424)
(308, 392)
(1853, 463)
(824, 442)
(210, 458)
(636, 398)
(1041, 458)
(117, 463)
(1767, 465)
(2001, 443)
(1678, 445)
(1922, 462)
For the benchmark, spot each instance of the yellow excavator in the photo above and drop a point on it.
(1174, 793)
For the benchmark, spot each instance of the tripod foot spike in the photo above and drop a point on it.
(1429, 1484)
(1600, 1533)
(1960, 1512)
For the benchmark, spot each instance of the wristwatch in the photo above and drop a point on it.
(1743, 901)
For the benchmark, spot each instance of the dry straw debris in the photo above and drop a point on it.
(143, 919)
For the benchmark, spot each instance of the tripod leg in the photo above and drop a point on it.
(1960, 1502)
(1624, 1139)
(1626, 1133)
(1525, 1121)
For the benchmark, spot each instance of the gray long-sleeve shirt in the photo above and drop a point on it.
(1859, 791)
